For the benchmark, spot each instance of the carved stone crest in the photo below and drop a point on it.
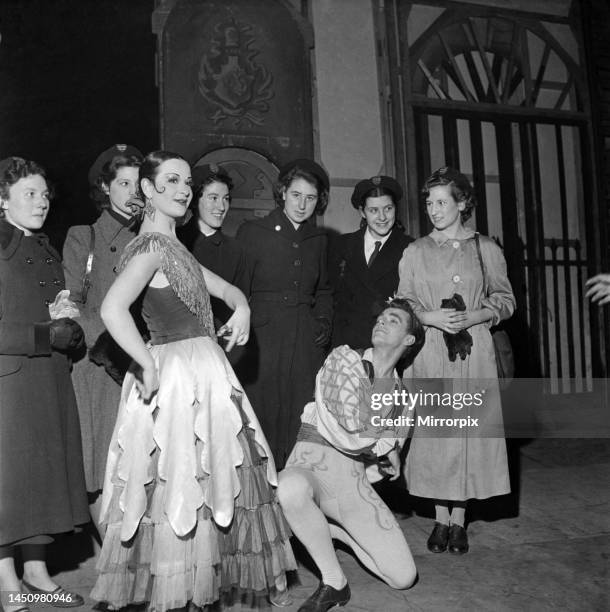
(233, 83)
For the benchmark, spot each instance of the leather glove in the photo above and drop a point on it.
(460, 343)
(323, 329)
(455, 301)
(108, 354)
(66, 335)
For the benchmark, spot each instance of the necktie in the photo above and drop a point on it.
(374, 253)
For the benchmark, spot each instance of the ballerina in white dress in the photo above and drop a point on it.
(188, 498)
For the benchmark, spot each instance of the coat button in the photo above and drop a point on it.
(295, 245)
(47, 302)
(456, 245)
(113, 249)
(56, 281)
(42, 283)
(456, 278)
(278, 228)
(29, 260)
(49, 260)
(297, 262)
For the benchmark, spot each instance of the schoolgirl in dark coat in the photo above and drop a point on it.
(364, 280)
(291, 303)
(42, 487)
(203, 236)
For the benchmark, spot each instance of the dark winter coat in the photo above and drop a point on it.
(290, 297)
(224, 256)
(360, 291)
(42, 487)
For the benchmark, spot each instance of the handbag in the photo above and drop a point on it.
(505, 360)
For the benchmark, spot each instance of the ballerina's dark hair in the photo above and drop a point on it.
(151, 163)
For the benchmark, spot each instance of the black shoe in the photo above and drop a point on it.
(326, 597)
(437, 542)
(458, 540)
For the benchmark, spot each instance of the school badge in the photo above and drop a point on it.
(231, 80)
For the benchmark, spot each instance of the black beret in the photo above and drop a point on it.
(309, 166)
(375, 182)
(107, 156)
(201, 174)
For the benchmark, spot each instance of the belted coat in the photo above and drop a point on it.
(286, 280)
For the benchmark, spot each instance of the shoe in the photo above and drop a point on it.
(458, 540)
(437, 542)
(280, 599)
(326, 597)
(58, 598)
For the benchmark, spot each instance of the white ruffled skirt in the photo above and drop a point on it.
(188, 500)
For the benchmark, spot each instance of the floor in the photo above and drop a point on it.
(544, 547)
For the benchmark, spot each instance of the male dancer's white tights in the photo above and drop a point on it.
(320, 483)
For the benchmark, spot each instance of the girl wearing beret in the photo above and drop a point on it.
(90, 256)
(445, 265)
(42, 487)
(364, 264)
(291, 302)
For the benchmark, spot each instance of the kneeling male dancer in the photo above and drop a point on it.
(326, 473)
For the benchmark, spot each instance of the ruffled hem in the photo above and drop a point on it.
(239, 563)
(212, 563)
(192, 516)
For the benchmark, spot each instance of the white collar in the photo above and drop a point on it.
(370, 240)
(368, 355)
(204, 229)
